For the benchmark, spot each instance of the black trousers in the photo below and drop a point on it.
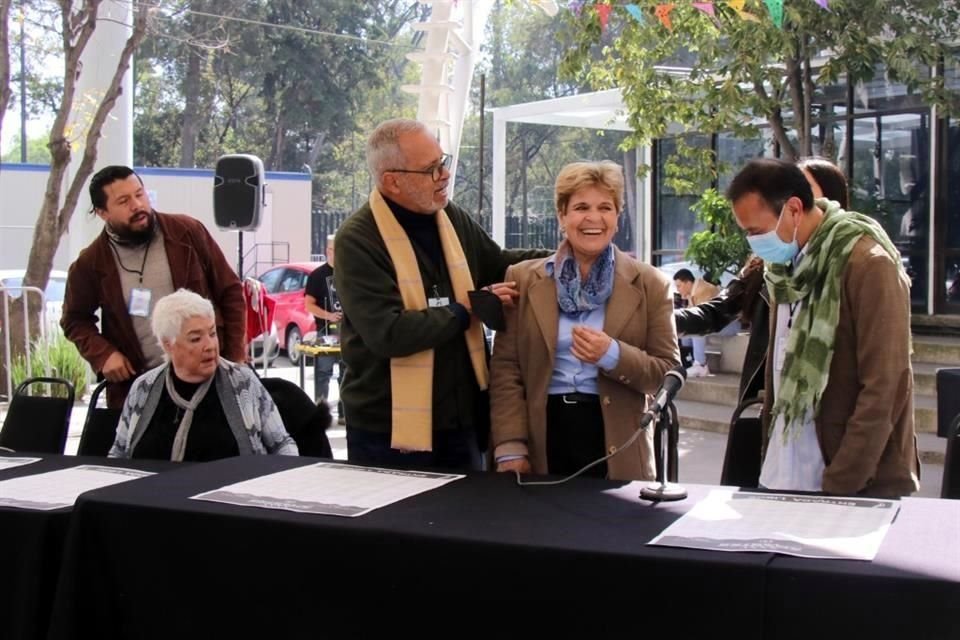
(575, 435)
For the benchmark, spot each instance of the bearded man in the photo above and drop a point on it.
(140, 257)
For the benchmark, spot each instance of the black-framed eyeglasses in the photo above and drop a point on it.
(435, 172)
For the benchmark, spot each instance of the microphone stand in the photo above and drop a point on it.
(665, 437)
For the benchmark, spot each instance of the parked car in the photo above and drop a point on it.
(12, 279)
(286, 283)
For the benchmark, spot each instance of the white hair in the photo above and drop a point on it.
(383, 146)
(170, 312)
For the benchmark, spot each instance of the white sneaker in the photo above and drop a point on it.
(698, 370)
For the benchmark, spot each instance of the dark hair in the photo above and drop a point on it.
(830, 178)
(106, 176)
(684, 275)
(776, 181)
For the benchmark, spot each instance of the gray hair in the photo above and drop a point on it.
(170, 312)
(383, 146)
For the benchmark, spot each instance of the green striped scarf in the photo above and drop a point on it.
(817, 281)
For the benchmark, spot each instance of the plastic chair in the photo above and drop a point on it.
(305, 421)
(37, 424)
(742, 459)
(99, 428)
(950, 486)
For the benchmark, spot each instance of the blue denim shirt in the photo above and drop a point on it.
(570, 374)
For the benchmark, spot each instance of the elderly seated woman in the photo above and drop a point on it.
(592, 333)
(196, 406)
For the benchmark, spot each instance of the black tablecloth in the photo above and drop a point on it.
(32, 544)
(144, 561)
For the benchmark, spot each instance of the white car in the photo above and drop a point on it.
(11, 281)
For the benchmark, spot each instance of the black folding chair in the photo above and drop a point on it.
(950, 487)
(37, 424)
(100, 427)
(742, 459)
(305, 421)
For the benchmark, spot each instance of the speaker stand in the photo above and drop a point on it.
(240, 255)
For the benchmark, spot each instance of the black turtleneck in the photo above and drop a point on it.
(210, 435)
(422, 229)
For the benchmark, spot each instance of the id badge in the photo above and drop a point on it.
(140, 302)
(439, 302)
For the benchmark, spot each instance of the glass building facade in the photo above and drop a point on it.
(902, 162)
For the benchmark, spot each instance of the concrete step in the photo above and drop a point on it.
(721, 390)
(715, 418)
(942, 350)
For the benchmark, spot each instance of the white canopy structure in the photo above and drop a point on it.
(598, 110)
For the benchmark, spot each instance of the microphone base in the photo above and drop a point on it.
(663, 492)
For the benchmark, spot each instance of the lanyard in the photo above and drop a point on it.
(142, 264)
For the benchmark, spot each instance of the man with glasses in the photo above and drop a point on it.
(414, 392)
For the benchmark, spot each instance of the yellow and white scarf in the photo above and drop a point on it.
(411, 377)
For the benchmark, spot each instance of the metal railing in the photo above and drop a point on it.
(27, 344)
(252, 259)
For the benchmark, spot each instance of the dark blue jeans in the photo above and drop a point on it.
(454, 449)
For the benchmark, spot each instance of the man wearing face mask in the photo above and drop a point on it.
(840, 415)
(140, 257)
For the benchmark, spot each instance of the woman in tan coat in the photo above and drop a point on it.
(592, 332)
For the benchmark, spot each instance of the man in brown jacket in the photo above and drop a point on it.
(838, 411)
(141, 256)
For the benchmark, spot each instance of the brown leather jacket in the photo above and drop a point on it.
(196, 263)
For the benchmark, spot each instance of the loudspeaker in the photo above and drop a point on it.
(238, 188)
(948, 399)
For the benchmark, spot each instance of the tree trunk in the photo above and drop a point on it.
(54, 219)
(5, 60)
(191, 108)
(276, 146)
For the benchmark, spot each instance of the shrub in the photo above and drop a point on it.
(65, 362)
(722, 246)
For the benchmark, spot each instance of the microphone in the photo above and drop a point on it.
(672, 383)
(662, 489)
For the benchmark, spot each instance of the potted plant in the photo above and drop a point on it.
(721, 246)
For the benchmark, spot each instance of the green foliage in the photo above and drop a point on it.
(65, 362)
(292, 94)
(37, 151)
(734, 75)
(722, 245)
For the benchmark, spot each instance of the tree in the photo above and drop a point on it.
(4, 59)
(37, 151)
(76, 27)
(721, 74)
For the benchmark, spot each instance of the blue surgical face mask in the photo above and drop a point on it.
(771, 248)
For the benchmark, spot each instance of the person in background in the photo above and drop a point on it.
(745, 298)
(320, 298)
(591, 335)
(196, 406)
(415, 388)
(693, 291)
(838, 402)
(140, 257)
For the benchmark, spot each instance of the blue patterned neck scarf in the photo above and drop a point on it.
(573, 295)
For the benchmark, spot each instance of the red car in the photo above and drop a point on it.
(285, 283)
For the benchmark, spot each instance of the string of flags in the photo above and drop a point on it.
(663, 10)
